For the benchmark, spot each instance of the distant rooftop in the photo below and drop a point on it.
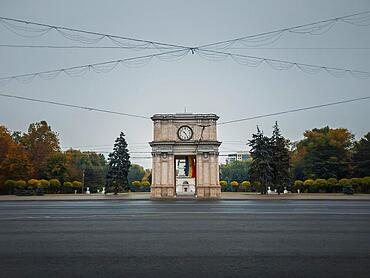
(184, 116)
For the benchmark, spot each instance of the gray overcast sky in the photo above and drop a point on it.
(225, 87)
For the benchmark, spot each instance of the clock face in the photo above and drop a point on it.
(185, 133)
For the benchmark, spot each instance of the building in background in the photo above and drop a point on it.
(238, 156)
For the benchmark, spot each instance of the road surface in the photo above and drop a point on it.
(283, 238)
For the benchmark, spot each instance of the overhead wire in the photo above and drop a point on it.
(39, 29)
(102, 67)
(74, 106)
(167, 48)
(314, 28)
(220, 123)
(253, 61)
(294, 110)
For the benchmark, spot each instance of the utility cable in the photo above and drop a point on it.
(295, 110)
(167, 48)
(314, 28)
(102, 67)
(41, 29)
(253, 61)
(74, 106)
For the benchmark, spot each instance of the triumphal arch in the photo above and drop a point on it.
(185, 156)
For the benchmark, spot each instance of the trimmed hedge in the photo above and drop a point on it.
(332, 185)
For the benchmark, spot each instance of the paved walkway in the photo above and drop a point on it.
(225, 196)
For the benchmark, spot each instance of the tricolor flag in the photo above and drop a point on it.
(190, 167)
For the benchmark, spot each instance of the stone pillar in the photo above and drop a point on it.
(208, 185)
(163, 177)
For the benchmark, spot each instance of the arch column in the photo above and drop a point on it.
(208, 185)
(163, 177)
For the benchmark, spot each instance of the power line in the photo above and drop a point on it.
(75, 106)
(294, 110)
(213, 55)
(82, 47)
(314, 28)
(221, 123)
(166, 48)
(102, 67)
(65, 32)
(253, 61)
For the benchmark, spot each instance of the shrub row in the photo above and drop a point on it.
(138, 186)
(44, 186)
(359, 185)
(235, 186)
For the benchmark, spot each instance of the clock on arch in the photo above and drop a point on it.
(185, 133)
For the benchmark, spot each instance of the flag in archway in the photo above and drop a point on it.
(190, 167)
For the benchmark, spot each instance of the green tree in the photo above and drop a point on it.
(280, 160)
(361, 157)
(236, 170)
(118, 166)
(135, 173)
(261, 169)
(93, 166)
(55, 167)
(324, 153)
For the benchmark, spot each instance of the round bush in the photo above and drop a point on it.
(54, 183)
(234, 183)
(320, 185)
(146, 183)
(77, 184)
(67, 184)
(223, 183)
(298, 184)
(34, 183)
(10, 183)
(44, 183)
(136, 183)
(20, 183)
(308, 185)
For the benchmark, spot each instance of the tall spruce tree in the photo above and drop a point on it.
(280, 160)
(118, 166)
(361, 157)
(261, 169)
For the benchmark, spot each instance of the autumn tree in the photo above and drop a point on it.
(118, 166)
(40, 142)
(14, 162)
(361, 157)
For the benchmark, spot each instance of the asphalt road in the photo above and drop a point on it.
(185, 239)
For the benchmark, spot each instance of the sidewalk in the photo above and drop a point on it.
(227, 196)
